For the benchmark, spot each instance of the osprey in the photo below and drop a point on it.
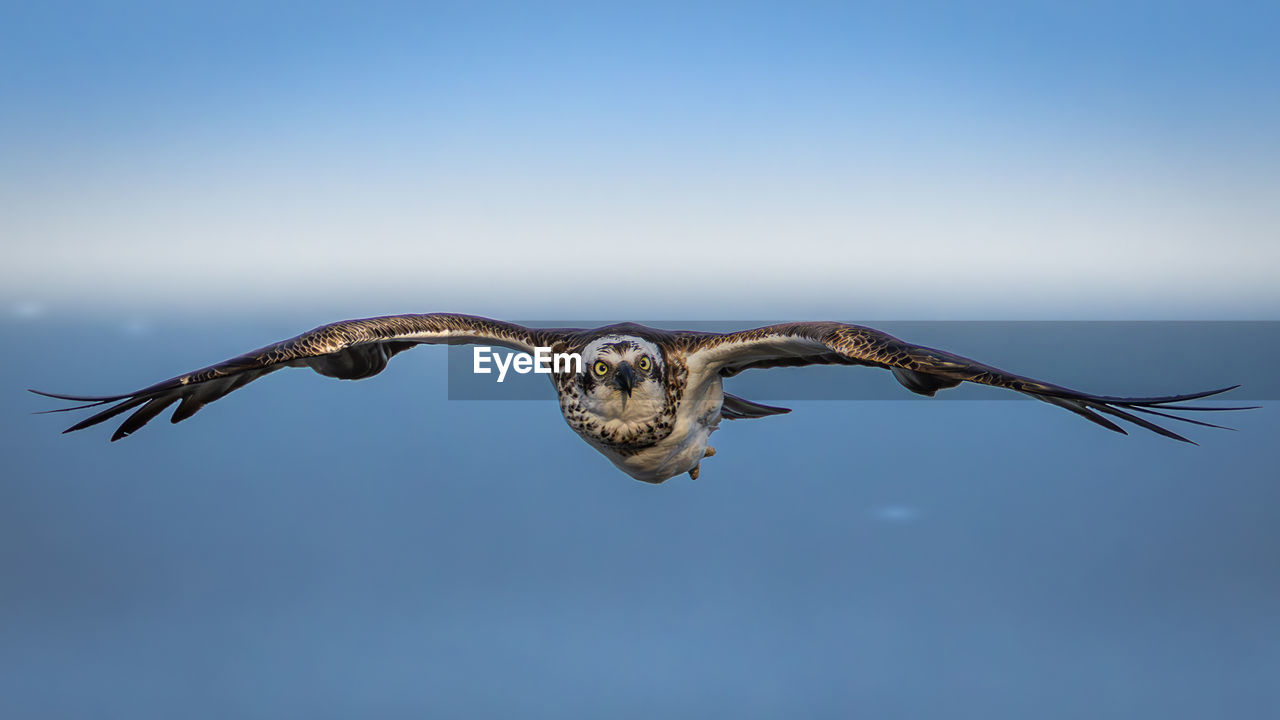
(648, 399)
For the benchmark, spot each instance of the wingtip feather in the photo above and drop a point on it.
(79, 398)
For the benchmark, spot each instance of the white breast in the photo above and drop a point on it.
(682, 450)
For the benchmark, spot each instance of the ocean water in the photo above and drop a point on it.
(313, 548)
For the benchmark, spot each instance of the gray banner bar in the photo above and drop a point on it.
(1132, 358)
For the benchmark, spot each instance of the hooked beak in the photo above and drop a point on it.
(624, 379)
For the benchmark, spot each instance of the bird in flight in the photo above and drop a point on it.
(648, 399)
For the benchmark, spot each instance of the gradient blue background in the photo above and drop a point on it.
(182, 183)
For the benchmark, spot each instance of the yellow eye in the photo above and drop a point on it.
(600, 367)
(644, 363)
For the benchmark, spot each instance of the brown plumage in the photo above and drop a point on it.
(688, 401)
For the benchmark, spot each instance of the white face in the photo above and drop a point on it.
(622, 378)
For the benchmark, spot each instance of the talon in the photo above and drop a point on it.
(710, 451)
(693, 474)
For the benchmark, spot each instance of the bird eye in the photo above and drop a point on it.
(600, 368)
(645, 363)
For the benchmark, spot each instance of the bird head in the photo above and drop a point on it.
(622, 377)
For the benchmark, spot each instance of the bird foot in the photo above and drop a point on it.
(693, 474)
(710, 451)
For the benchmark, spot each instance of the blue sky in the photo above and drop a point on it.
(865, 160)
(182, 182)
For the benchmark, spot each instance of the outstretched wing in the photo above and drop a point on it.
(350, 350)
(920, 369)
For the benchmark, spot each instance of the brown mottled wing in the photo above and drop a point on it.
(350, 350)
(920, 369)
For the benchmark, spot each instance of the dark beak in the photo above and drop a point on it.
(624, 378)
